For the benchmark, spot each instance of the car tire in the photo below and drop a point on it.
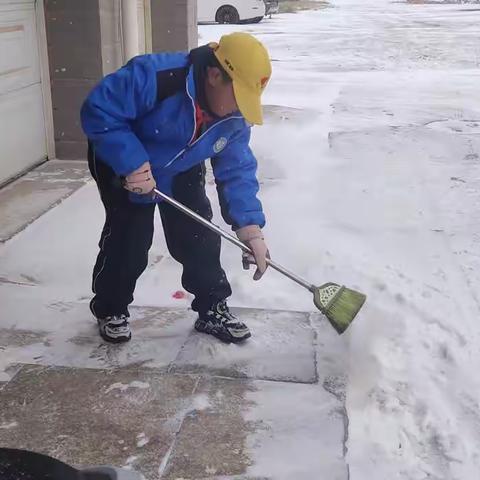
(227, 14)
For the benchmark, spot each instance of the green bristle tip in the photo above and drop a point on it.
(339, 304)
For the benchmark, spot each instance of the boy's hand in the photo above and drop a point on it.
(141, 181)
(252, 236)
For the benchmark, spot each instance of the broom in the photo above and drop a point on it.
(338, 303)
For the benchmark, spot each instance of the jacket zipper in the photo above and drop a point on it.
(190, 144)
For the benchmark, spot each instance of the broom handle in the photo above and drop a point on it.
(232, 239)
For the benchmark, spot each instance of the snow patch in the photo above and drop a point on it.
(142, 440)
(8, 426)
(201, 402)
(123, 387)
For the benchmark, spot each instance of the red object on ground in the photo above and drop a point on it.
(179, 295)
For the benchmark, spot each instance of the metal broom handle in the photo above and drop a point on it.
(232, 239)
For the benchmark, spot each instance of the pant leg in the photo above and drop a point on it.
(193, 245)
(124, 244)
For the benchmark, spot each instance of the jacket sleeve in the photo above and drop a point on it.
(110, 108)
(235, 170)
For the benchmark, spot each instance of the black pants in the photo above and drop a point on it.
(127, 237)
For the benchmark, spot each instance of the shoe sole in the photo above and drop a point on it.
(115, 340)
(225, 338)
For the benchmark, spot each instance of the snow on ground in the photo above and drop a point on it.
(369, 164)
(375, 183)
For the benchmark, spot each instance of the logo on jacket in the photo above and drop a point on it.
(220, 144)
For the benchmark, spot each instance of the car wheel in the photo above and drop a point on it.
(227, 14)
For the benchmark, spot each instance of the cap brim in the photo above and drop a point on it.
(249, 103)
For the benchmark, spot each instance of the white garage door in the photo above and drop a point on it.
(22, 122)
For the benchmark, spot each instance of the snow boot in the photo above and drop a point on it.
(221, 323)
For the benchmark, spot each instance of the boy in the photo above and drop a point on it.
(153, 123)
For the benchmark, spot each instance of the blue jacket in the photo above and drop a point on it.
(146, 112)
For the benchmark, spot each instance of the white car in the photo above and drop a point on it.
(230, 11)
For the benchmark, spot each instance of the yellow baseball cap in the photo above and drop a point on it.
(246, 61)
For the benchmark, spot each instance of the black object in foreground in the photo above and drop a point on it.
(25, 465)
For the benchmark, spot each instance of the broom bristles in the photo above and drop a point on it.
(342, 308)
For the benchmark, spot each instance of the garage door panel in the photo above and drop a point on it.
(22, 142)
(22, 132)
(19, 66)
